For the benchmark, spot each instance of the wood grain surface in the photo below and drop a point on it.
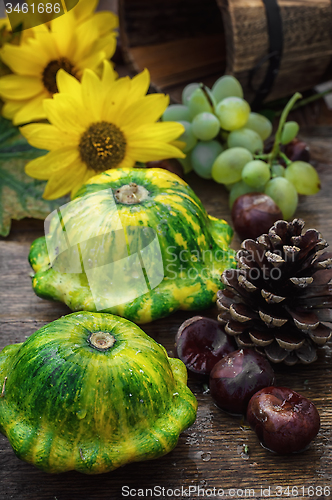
(211, 453)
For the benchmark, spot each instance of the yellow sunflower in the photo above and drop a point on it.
(96, 125)
(72, 42)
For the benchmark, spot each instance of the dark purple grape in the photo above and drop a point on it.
(284, 421)
(254, 214)
(201, 342)
(237, 377)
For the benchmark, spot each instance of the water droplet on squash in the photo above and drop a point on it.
(81, 414)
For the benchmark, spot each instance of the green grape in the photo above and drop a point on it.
(186, 164)
(289, 132)
(304, 177)
(187, 91)
(284, 194)
(245, 138)
(238, 189)
(203, 156)
(233, 113)
(256, 173)
(228, 165)
(188, 137)
(227, 86)
(277, 171)
(205, 126)
(259, 124)
(175, 113)
(201, 101)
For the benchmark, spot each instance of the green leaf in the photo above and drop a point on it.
(20, 195)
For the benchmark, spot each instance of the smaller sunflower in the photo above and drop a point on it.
(96, 125)
(73, 42)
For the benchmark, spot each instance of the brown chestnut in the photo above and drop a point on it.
(297, 150)
(236, 377)
(284, 421)
(254, 214)
(201, 342)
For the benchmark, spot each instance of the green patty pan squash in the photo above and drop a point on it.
(91, 392)
(116, 214)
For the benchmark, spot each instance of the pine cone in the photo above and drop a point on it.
(281, 294)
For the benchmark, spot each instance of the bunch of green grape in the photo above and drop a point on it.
(224, 141)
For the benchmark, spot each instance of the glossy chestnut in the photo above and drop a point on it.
(284, 421)
(237, 377)
(201, 342)
(254, 214)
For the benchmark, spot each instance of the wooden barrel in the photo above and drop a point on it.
(274, 47)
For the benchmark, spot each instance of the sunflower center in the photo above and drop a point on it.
(130, 194)
(102, 146)
(49, 73)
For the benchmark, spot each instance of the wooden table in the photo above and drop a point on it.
(211, 453)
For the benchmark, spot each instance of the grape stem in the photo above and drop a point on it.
(309, 100)
(204, 90)
(275, 153)
(285, 158)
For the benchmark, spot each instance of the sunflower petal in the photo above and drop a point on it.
(93, 61)
(153, 150)
(87, 175)
(87, 35)
(45, 136)
(20, 87)
(164, 131)
(140, 85)
(64, 112)
(10, 108)
(45, 166)
(108, 76)
(117, 100)
(92, 94)
(62, 32)
(46, 42)
(84, 9)
(68, 84)
(37, 168)
(107, 44)
(127, 162)
(105, 21)
(31, 110)
(63, 181)
(148, 109)
(22, 60)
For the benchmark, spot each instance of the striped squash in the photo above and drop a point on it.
(194, 247)
(91, 392)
